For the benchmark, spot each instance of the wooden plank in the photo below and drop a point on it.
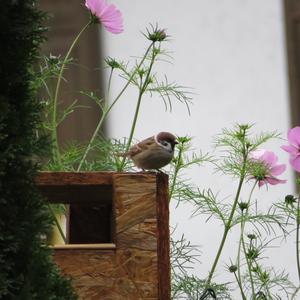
(74, 178)
(163, 238)
(85, 246)
(135, 238)
(136, 215)
(137, 265)
(136, 253)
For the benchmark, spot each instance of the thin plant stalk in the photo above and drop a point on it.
(249, 269)
(109, 81)
(238, 261)
(176, 171)
(242, 233)
(229, 221)
(227, 225)
(56, 152)
(106, 111)
(240, 286)
(295, 293)
(139, 101)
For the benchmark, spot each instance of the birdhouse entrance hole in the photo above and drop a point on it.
(89, 205)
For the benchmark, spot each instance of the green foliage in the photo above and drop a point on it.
(259, 228)
(100, 153)
(26, 267)
(267, 281)
(191, 287)
(185, 158)
(183, 255)
(236, 145)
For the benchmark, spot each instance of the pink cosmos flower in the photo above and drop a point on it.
(108, 15)
(264, 167)
(294, 147)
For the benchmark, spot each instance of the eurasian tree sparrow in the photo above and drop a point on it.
(154, 152)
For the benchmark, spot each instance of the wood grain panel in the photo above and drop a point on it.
(74, 178)
(138, 267)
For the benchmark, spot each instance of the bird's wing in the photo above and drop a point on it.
(141, 146)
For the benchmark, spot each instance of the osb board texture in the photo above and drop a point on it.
(132, 271)
(74, 178)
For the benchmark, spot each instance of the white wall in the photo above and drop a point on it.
(233, 54)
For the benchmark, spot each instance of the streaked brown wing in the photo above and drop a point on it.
(139, 147)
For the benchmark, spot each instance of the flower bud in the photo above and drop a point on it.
(232, 268)
(244, 127)
(289, 199)
(243, 206)
(252, 253)
(157, 35)
(251, 236)
(141, 72)
(113, 63)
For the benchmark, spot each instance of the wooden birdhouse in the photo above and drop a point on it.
(117, 233)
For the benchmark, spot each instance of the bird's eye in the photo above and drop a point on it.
(164, 143)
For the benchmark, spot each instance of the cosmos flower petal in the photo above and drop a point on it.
(294, 147)
(108, 15)
(112, 20)
(295, 162)
(274, 181)
(294, 136)
(277, 170)
(261, 183)
(257, 153)
(290, 149)
(95, 6)
(270, 158)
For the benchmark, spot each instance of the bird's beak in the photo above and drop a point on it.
(176, 142)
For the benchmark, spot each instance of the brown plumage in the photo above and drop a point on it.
(154, 152)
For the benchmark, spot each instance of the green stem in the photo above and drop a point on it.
(137, 109)
(176, 171)
(108, 109)
(242, 233)
(238, 263)
(295, 292)
(249, 269)
(89, 146)
(240, 286)
(227, 225)
(57, 224)
(109, 81)
(236, 199)
(56, 152)
(297, 238)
